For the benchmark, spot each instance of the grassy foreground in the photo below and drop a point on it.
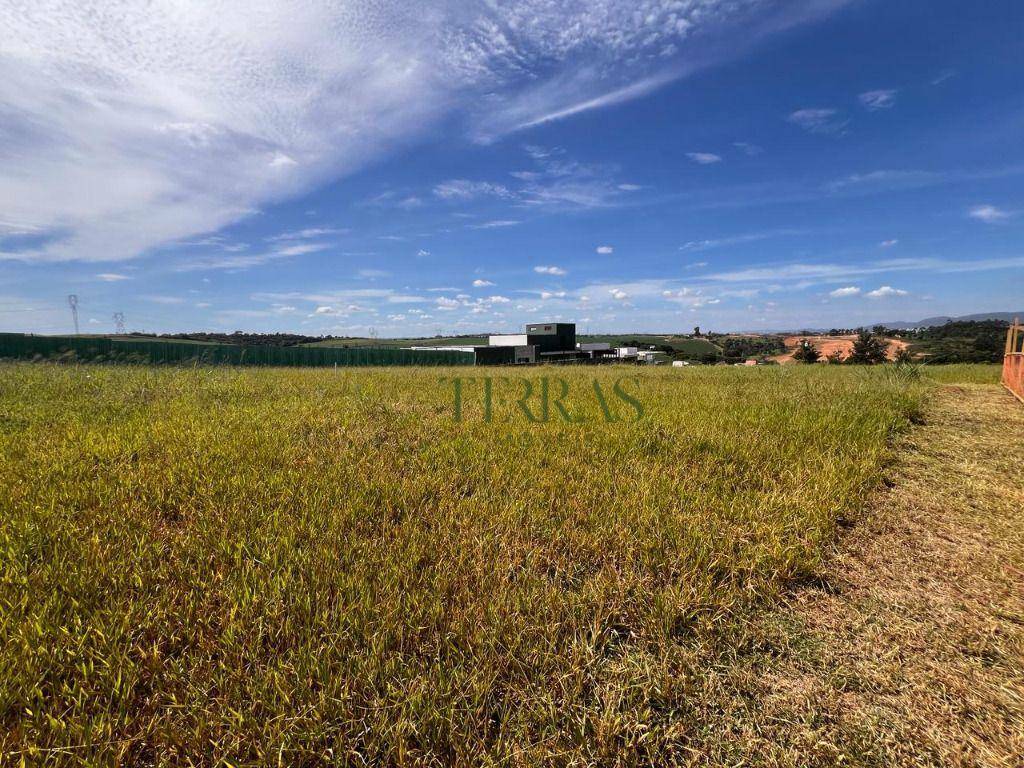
(909, 649)
(311, 566)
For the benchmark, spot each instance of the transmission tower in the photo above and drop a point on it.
(119, 323)
(73, 303)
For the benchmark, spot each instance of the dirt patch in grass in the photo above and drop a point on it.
(830, 345)
(909, 650)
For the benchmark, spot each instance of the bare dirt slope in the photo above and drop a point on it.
(910, 649)
(829, 345)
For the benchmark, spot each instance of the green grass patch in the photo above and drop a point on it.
(309, 566)
(963, 373)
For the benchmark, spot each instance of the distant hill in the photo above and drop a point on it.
(902, 325)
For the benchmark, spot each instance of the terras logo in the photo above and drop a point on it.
(538, 400)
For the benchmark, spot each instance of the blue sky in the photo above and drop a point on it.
(423, 168)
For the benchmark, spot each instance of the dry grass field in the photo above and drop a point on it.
(313, 567)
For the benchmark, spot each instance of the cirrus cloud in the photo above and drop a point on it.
(205, 113)
(818, 120)
(881, 99)
(704, 158)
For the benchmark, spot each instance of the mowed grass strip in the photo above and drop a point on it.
(313, 566)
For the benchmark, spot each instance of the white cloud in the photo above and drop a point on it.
(618, 294)
(550, 270)
(884, 180)
(498, 299)
(112, 277)
(880, 99)
(704, 158)
(408, 203)
(393, 199)
(604, 249)
(988, 214)
(495, 224)
(825, 272)
(751, 150)
(306, 234)
(205, 113)
(464, 189)
(245, 261)
(818, 120)
(535, 109)
(447, 304)
(348, 297)
(301, 250)
(679, 294)
(202, 112)
(850, 290)
(601, 54)
(478, 283)
(557, 182)
(888, 243)
(752, 237)
(281, 160)
(884, 292)
(545, 295)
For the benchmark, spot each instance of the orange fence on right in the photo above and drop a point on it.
(1013, 360)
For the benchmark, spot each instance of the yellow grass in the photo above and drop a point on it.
(909, 648)
(312, 566)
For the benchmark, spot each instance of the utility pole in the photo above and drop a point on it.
(73, 303)
(119, 323)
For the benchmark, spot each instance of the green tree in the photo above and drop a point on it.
(903, 357)
(806, 352)
(868, 349)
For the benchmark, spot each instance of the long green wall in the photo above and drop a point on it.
(86, 348)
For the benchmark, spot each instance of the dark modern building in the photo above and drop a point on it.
(552, 337)
(542, 342)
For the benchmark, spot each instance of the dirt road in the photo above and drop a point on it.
(908, 650)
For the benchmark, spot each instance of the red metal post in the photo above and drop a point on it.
(1013, 360)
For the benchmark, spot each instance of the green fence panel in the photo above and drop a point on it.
(84, 348)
